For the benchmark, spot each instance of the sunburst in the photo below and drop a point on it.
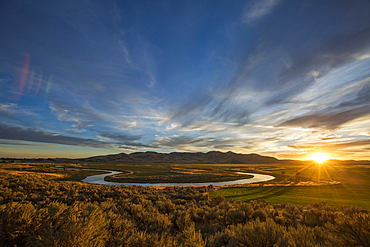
(319, 157)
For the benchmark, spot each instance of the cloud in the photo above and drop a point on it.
(318, 60)
(33, 135)
(69, 113)
(349, 107)
(258, 10)
(13, 109)
(15, 112)
(27, 144)
(205, 143)
(282, 64)
(90, 52)
(361, 99)
(120, 137)
(325, 120)
(5, 80)
(339, 147)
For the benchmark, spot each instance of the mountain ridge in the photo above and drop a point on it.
(211, 157)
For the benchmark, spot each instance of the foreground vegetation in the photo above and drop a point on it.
(37, 211)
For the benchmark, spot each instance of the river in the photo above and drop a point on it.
(99, 179)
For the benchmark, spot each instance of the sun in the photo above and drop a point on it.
(319, 157)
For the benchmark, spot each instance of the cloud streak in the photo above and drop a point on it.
(259, 10)
(40, 136)
(27, 144)
(273, 72)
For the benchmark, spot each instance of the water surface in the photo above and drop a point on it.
(99, 179)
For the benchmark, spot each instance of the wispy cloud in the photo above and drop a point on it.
(259, 9)
(186, 143)
(27, 144)
(15, 112)
(33, 135)
(328, 120)
(8, 132)
(14, 109)
(265, 83)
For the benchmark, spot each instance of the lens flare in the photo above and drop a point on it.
(30, 83)
(40, 81)
(24, 75)
(48, 86)
(319, 157)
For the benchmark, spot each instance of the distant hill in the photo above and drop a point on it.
(212, 157)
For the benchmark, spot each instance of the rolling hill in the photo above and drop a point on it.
(212, 157)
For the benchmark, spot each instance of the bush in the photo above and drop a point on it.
(191, 238)
(224, 238)
(262, 234)
(350, 230)
(303, 236)
(76, 225)
(17, 221)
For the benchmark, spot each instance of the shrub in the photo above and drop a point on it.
(224, 238)
(264, 234)
(76, 225)
(350, 230)
(303, 236)
(17, 221)
(142, 239)
(292, 214)
(191, 238)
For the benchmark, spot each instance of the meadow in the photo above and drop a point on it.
(38, 209)
(353, 178)
(353, 188)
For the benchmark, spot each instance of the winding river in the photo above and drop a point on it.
(99, 179)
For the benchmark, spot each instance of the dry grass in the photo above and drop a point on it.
(36, 175)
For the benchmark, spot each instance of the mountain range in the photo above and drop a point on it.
(212, 157)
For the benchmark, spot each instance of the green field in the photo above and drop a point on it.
(353, 190)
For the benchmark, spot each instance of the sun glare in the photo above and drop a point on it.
(319, 157)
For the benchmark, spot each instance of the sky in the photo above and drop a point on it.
(274, 77)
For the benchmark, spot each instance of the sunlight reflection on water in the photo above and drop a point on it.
(99, 179)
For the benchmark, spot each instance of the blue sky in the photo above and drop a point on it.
(274, 77)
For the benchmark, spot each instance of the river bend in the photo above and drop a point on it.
(99, 179)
